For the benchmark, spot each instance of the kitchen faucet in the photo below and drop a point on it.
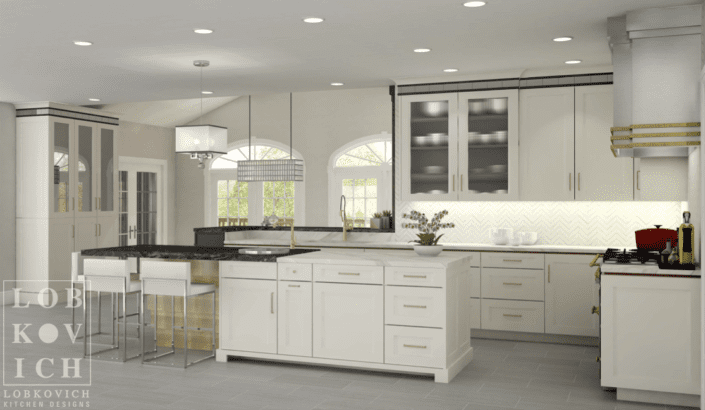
(344, 218)
(292, 243)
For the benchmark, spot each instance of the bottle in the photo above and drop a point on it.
(686, 238)
(666, 253)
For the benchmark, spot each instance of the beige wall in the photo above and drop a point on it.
(7, 188)
(323, 121)
(150, 141)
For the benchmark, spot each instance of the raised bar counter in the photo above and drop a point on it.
(178, 252)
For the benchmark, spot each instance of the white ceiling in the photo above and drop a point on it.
(168, 113)
(144, 49)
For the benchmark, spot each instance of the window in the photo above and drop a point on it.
(357, 170)
(230, 202)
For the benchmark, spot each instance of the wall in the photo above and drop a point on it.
(150, 141)
(7, 187)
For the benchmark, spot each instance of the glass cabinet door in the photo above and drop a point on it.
(86, 199)
(107, 172)
(429, 159)
(488, 145)
(63, 203)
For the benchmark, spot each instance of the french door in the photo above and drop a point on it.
(140, 201)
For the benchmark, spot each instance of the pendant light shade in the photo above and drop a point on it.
(201, 141)
(272, 169)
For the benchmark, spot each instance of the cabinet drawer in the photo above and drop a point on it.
(348, 274)
(475, 314)
(409, 306)
(519, 284)
(475, 282)
(429, 277)
(512, 315)
(295, 271)
(248, 270)
(512, 260)
(414, 346)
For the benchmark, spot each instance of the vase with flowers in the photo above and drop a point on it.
(427, 244)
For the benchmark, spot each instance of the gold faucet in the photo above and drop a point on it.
(347, 223)
(292, 244)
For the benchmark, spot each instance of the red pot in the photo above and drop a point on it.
(654, 239)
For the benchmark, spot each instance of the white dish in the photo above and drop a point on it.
(500, 191)
(434, 108)
(436, 192)
(501, 236)
(477, 170)
(435, 169)
(497, 169)
(515, 239)
(473, 138)
(486, 138)
(501, 137)
(528, 238)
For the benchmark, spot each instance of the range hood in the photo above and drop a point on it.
(656, 54)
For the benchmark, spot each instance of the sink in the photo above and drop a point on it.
(263, 251)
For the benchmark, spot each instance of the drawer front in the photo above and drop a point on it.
(348, 274)
(428, 277)
(512, 260)
(475, 314)
(518, 284)
(295, 271)
(512, 315)
(408, 306)
(248, 270)
(475, 282)
(414, 346)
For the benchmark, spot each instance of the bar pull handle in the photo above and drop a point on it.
(549, 273)
(294, 286)
(349, 273)
(99, 201)
(570, 181)
(508, 315)
(637, 180)
(96, 201)
(73, 204)
(73, 231)
(453, 182)
(271, 302)
(512, 260)
(96, 229)
(578, 181)
(100, 230)
(511, 283)
(415, 306)
(415, 346)
(415, 276)
(461, 182)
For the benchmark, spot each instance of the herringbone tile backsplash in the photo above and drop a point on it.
(557, 223)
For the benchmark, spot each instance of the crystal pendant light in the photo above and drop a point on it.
(201, 141)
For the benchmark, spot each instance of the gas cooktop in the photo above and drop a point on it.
(631, 256)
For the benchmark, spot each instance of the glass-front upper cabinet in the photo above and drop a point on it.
(429, 147)
(86, 200)
(62, 180)
(106, 178)
(488, 145)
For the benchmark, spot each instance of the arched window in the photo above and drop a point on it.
(233, 202)
(361, 170)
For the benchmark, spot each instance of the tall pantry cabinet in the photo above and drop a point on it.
(66, 190)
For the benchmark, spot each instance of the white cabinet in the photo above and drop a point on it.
(547, 144)
(661, 179)
(248, 319)
(348, 322)
(512, 315)
(571, 292)
(475, 313)
(294, 318)
(651, 333)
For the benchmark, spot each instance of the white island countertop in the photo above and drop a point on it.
(646, 269)
(379, 258)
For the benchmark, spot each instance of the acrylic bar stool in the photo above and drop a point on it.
(111, 276)
(77, 278)
(161, 278)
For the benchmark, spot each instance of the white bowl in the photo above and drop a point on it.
(500, 137)
(426, 250)
(528, 238)
(486, 138)
(501, 236)
(515, 240)
(473, 138)
(434, 108)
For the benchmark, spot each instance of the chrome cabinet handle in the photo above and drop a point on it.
(415, 276)
(508, 315)
(349, 273)
(511, 283)
(271, 302)
(415, 306)
(415, 346)
(130, 232)
(570, 181)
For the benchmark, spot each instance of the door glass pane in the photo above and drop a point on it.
(123, 228)
(106, 170)
(85, 169)
(488, 152)
(146, 208)
(61, 167)
(429, 124)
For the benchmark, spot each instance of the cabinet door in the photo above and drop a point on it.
(61, 244)
(488, 145)
(248, 318)
(106, 169)
(86, 234)
(661, 179)
(546, 144)
(600, 176)
(429, 129)
(86, 170)
(571, 292)
(61, 180)
(348, 322)
(295, 302)
(475, 313)
(107, 232)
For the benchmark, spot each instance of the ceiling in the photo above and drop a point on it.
(144, 50)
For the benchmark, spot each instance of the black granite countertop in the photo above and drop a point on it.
(187, 253)
(217, 229)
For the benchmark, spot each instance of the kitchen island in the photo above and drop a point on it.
(379, 310)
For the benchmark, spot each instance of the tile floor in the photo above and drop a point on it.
(504, 375)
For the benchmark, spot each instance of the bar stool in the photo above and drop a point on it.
(77, 278)
(112, 276)
(161, 278)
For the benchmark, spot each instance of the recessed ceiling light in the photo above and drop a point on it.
(474, 4)
(450, 70)
(573, 61)
(203, 31)
(94, 99)
(83, 43)
(562, 39)
(206, 92)
(336, 84)
(313, 20)
(422, 50)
